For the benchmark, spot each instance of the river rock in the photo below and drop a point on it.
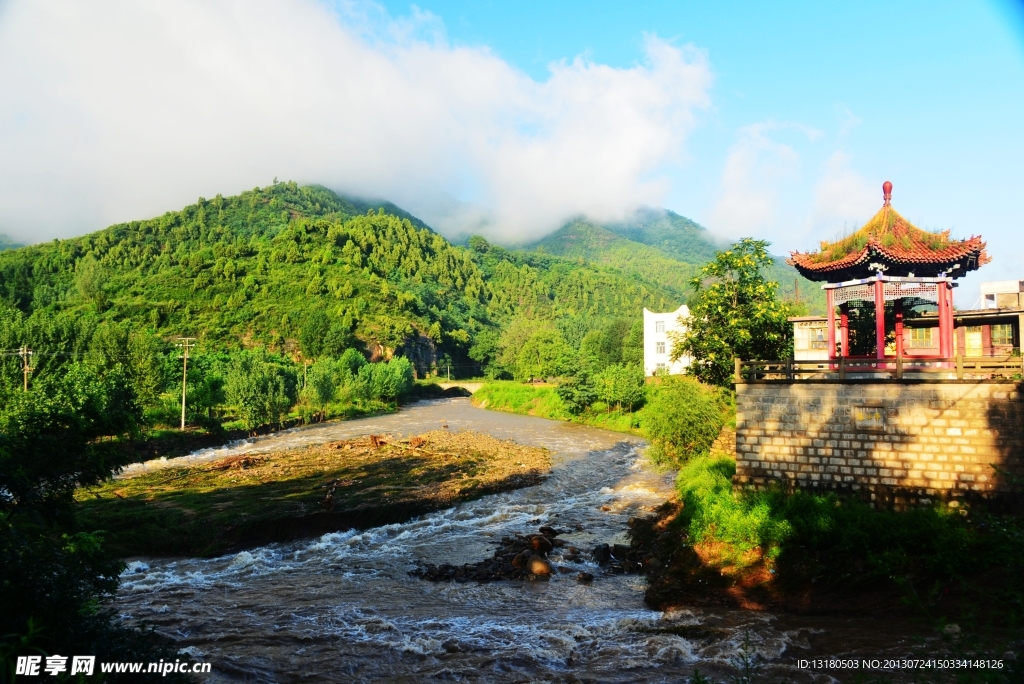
(602, 553)
(620, 551)
(522, 560)
(539, 566)
(541, 544)
(584, 577)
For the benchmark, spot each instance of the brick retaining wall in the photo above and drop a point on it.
(895, 443)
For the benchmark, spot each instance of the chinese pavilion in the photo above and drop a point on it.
(888, 259)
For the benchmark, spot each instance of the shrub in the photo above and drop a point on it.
(682, 419)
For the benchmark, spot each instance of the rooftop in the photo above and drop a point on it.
(890, 243)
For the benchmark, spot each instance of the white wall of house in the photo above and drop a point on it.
(810, 338)
(658, 346)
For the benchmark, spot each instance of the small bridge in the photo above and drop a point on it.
(470, 387)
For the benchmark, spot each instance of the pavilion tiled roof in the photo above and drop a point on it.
(892, 241)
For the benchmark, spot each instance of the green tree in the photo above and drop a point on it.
(321, 384)
(260, 389)
(735, 313)
(387, 381)
(577, 393)
(544, 354)
(633, 344)
(621, 385)
(55, 579)
(91, 281)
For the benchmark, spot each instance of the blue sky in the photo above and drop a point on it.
(929, 95)
(777, 120)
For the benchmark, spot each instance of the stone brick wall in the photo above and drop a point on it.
(894, 443)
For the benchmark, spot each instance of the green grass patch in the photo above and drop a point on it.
(845, 544)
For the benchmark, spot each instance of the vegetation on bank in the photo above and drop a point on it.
(55, 576)
(678, 415)
(247, 500)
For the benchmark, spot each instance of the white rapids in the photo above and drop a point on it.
(342, 607)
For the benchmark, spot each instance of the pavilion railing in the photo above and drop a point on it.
(889, 368)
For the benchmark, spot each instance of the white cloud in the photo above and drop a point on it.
(120, 110)
(843, 199)
(756, 168)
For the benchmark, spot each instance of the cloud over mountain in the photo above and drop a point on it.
(119, 110)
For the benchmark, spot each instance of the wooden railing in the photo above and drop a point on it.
(890, 368)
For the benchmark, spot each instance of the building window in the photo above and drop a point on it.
(1002, 335)
(659, 347)
(919, 337)
(659, 326)
(818, 338)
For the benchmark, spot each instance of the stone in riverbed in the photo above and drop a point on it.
(541, 544)
(539, 566)
(620, 551)
(522, 560)
(602, 553)
(584, 577)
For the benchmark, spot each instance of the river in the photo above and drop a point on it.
(342, 607)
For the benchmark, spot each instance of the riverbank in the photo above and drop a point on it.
(798, 552)
(542, 401)
(165, 442)
(250, 500)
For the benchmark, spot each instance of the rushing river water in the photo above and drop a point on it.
(342, 607)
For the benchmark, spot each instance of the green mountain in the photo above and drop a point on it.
(663, 247)
(7, 243)
(292, 269)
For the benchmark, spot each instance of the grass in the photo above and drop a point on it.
(542, 401)
(246, 501)
(792, 540)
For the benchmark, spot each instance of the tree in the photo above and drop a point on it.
(387, 381)
(260, 389)
(544, 354)
(735, 313)
(621, 385)
(321, 385)
(577, 393)
(91, 281)
(633, 344)
(54, 579)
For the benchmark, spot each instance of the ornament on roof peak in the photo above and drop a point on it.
(886, 192)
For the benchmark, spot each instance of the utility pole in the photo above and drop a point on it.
(449, 373)
(25, 353)
(185, 343)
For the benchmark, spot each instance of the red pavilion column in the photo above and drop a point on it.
(844, 327)
(830, 308)
(945, 319)
(880, 316)
(898, 307)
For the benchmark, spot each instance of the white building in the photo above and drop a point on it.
(810, 338)
(1002, 294)
(658, 346)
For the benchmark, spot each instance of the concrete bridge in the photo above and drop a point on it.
(470, 387)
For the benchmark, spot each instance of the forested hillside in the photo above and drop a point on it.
(664, 247)
(298, 269)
